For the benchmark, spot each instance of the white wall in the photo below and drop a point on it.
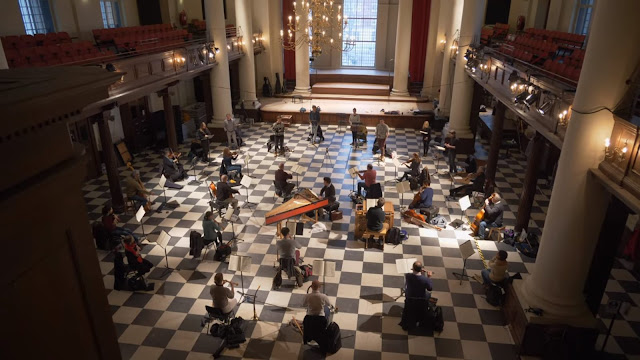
(130, 12)
(561, 15)
(11, 19)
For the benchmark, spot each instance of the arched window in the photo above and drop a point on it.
(362, 17)
(36, 15)
(110, 13)
(584, 11)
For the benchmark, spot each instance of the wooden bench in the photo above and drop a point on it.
(369, 234)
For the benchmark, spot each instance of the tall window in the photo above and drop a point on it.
(584, 11)
(36, 15)
(362, 16)
(110, 13)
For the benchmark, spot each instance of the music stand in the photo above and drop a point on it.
(465, 203)
(246, 163)
(297, 169)
(162, 183)
(466, 250)
(404, 266)
(403, 187)
(194, 162)
(324, 268)
(229, 216)
(240, 263)
(246, 182)
(162, 241)
(438, 154)
(396, 165)
(139, 215)
(354, 174)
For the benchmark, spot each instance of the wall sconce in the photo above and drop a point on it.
(616, 154)
(562, 117)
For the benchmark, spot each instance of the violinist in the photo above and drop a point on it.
(369, 177)
(171, 167)
(136, 191)
(227, 157)
(204, 135)
(424, 197)
(223, 297)
(414, 167)
(493, 211)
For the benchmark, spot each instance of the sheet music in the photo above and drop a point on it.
(246, 160)
(466, 249)
(228, 214)
(465, 203)
(297, 169)
(163, 180)
(140, 213)
(439, 148)
(404, 266)
(239, 263)
(353, 172)
(396, 162)
(424, 132)
(163, 239)
(324, 268)
(246, 181)
(291, 225)
(369, 203)
(403, 187)
(523, 235)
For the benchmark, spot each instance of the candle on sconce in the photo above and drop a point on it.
(607, 143)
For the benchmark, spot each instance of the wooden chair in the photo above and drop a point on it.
(495, 234)
(129, 206)
(370, 234)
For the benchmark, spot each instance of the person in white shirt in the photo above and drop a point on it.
(354, 122)
(317, 303)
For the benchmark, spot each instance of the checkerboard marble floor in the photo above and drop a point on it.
(165, 323)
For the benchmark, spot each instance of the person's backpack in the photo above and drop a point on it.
(277, 280)
(404, 235)
(299, 279)
(119, 272)
(222, 252)
(495, 295)
(439, 221)
(393, 236)
(526, 250)
(438, 320)
(332, 339)
(102, 236)
(307, 271)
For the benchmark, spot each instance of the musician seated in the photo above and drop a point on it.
(135, 191)
(496, 272)
(171, 167)
(329, 192)
(414, 165)
(203, 136)
(376, 217)
(223, 297)
(426, 198)
(474, 182)
(227, 157)
(318, 313)
(224, 193)
(110, 222)
(418, 285)
(211, 230)
(493, 211)
(281, 182)
(196, 150)
(136, 262)
(369, 177)
(471, 164)
(287, 246)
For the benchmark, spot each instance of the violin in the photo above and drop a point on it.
(230, 282)
(147, 206)
(174, 156)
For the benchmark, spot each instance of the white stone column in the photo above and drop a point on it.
(302, 59)
(247, 66)
(275, 46)
(578, 202)
(462, 89)
(452, 13)
(429, 87)
(403, 47)
(220, 84)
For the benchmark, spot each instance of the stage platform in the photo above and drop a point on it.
(358, 76)
(344, 88)
(337, 111)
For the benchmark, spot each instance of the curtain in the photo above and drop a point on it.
(289, 55)
(419, 34)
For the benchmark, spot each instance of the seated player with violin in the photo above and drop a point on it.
(423, 199)
(472, 182)
(171, 167)
(223, 297)
(227, 157)
(493, 211)
(135, 190)
(369, 177)
(414, 167)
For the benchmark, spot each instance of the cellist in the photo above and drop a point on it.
(424, 197)
(136, 191)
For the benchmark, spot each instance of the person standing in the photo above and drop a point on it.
(204, 135)
(278, 134)
(450, 145)
(230, 128)
(314, 119)
(426, 137)
(354, 123)
(382, 132)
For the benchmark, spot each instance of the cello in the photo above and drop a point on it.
(475, 225)
(147, 206)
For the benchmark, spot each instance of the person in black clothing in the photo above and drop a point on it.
(329, 192)
(171, 167)
(224, 193)
(375, 216)
(472, 164)
(204, 135)
(426, 137)
(414, 167)
(450, 145)
(477, 180)
(196, 150)
(493, 210)
(418, 285)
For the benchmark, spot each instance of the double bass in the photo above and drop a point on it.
(475, 225)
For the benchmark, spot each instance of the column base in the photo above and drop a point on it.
(250, 104)
(576, 309)
(466, 145)
(396, 92)
(426, 93)
(532, 333)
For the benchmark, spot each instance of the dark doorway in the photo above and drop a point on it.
(149, 12)
(497, 12)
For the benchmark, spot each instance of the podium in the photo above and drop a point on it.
(240, 263)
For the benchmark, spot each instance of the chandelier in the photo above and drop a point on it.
(319, 30)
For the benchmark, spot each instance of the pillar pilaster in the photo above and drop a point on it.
(220, 84)
(429, 87)
(530, 184)
(109, 157)
(403, 46)
(247, 62)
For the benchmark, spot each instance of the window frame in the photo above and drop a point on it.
(586, 12)
(36, 18)
(112, 18)
(371, 55)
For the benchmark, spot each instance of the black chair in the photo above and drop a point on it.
(216, 314)
(374, 192)
(314, 328)
(414, 312)
(140, 268)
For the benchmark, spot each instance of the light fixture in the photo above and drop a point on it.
(323, 29)
(546, 107)
(468, 54)
(531, 99)
(217, 50)
(616, 154)
(562, 117)
(519, 99)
